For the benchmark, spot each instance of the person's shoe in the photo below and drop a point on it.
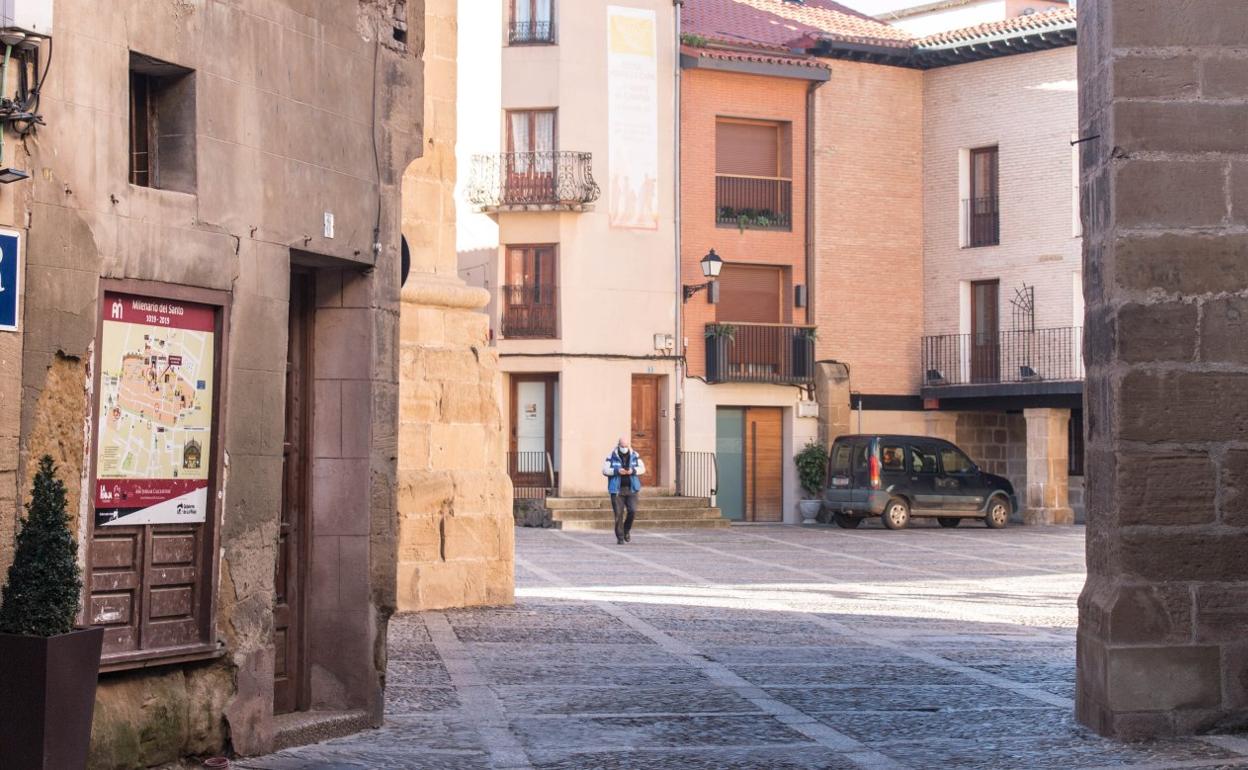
(619, 540)
(628, 538)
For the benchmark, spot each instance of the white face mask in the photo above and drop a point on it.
(622, 450)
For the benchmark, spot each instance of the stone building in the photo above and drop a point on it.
(208, 344)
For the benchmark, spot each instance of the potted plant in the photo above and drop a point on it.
(48, 669)
(804, 351)
(812, 469)
(718, 338)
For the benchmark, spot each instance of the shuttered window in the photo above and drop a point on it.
(747, 149)
(750, 294)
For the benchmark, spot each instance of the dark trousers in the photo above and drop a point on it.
(624, 503)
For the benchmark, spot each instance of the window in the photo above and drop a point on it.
(922, 460)
(955, 462)
(1075, 443)
(982, 215)
(893, 458)
(530, 296)
(751, 294)
(532, 21)
(839, 465)
(531, 140)
(162, 125)
(860, 457)
(753, 174)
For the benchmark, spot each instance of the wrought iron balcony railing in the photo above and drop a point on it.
(1042, 355)
(782, 354)
(530, 312)
(981, 218)
(533, 475)
(556, 181)
(531, 33)
(753, 203)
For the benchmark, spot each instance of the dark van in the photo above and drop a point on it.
(897, 477)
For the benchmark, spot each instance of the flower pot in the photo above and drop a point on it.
(54, 681)
(809, 510)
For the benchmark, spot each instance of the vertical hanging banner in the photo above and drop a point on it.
(10, 275)
(157, 380)
(633, 118)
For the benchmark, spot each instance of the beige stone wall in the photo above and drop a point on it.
(456, 541)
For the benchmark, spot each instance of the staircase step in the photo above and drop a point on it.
(583, 514)
(601, 525)
(644, 503)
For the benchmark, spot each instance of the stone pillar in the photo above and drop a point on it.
(1047, 498)
(1163, 619)
(832, 392)
(942, 425)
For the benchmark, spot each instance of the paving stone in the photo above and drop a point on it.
(628, 732)
(918, 698)
(892, 726)
(547, 699)
(786, 758)
(600, 674)
(1061, 752)
(876, 673)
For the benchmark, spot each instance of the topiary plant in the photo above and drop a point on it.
(812, 468)
(41, 597)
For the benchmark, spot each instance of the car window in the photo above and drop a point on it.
(922, 460)
(892, 458)
(954, 461)
(841, 459)
(859, 456)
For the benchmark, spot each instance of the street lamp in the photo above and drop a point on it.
(711, 265)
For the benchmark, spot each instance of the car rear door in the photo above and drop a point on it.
(960, 483)
(841, 468)
(924, 470)
(861, 470)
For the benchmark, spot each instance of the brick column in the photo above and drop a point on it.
(1047, 497)
(1163, 619)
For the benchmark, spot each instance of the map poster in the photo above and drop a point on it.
(155, 411)
(633, 118)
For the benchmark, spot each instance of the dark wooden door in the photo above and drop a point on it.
(289, 673)
(985, 332)
(764, 469)
(646, 427)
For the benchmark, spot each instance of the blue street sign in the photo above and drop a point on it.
(10, 274)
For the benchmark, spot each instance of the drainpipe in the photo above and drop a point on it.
(4, 88)
(811, 281)
(678, 412)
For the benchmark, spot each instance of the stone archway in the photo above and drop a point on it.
(1163, 626)
(455, 530)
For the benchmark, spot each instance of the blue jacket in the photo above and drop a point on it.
(612, 466)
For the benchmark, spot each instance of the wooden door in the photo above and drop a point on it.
(646, 427)
(289, 673)
(764, 469)
(532, 456)
(985, 332)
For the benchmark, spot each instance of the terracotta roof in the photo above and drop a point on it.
(759, 56)
(777, 23)
(1019, 25)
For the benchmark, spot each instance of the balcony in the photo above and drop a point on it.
(533, 181)
(779, 354)
(530, 312)
(981, 222)
(1036, 361)
(753, 203)
(531, 33)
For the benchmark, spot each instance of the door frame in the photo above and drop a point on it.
(656, 467)
(298, 484)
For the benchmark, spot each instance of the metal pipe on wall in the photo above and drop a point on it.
(678, 412)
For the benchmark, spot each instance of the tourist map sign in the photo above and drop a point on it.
(155, 411)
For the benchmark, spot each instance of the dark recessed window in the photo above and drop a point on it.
(162, 124)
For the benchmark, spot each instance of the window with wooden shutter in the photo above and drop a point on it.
(750, 294)
(753, 174)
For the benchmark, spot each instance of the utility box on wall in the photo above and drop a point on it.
(34, 17)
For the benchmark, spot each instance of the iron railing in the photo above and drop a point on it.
(532, 475)
(1043, 355)
(527, 32)
(782, 354)
(754, 203)
(699, 474)
(533, 179)
(981, 219)
(530, 312)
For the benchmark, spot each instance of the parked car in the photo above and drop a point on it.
(900, 477)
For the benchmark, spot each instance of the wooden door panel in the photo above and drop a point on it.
(646, 426)
(171, 599)
(764, 475)
(115, 587)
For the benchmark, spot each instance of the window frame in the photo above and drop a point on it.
(974, 194)
(970, 468)
(551, 37)
(209, 646)
(925, 452)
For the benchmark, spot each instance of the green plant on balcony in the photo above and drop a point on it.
(748, 218)
(808, 333)
(721, 332)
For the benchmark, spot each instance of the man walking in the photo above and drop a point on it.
(623, 469)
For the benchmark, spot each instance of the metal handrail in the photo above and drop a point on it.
(781, 354)
(544, 178)
(703, 481)
(1029, 356)
(526, 476)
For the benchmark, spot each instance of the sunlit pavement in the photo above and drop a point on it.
(757, 647)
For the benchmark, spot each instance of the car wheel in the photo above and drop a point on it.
(998, 513)
(845, 521)
(949, 522)
(896, 514)
(824, 516)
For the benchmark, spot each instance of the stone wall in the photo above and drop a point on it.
(997, 441)
(1163, 618)
(456, 533)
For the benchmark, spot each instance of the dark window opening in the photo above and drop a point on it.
(983, 219)
(162, 125)
(1075, 443)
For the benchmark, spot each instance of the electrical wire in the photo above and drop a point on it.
(32, 100)
(376, 154)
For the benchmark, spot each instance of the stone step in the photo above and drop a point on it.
(584, 514)
(606, 525)
(644, 503)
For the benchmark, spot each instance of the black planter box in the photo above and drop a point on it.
(48, 688)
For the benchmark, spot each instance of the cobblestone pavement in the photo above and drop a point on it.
(757, 647)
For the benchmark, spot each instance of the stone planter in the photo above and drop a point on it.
(49, 686)
(809, 510)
